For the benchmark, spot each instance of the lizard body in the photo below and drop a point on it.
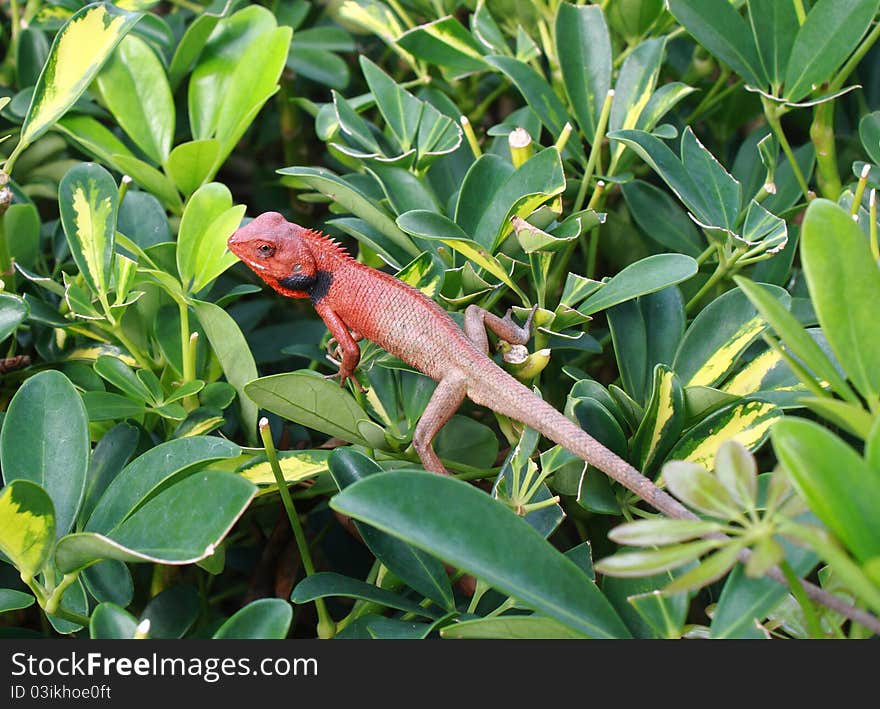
(356, 301)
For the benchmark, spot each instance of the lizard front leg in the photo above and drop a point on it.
(446, 399)
(346, 347)
(477, 320)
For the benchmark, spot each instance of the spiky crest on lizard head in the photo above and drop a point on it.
(283, 254)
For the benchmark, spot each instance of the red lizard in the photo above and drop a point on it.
(356, 301)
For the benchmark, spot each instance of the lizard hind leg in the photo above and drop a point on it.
(447, 397)
(477, 321)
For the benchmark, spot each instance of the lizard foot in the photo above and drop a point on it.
(343, 376)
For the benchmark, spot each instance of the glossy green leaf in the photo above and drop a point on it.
(172, 612)
(353, 200)
(842, 277)
(106, 406)
(774, 27)
(328, 583)
(447, 44)
(135, 89)
(208, 221)
(109, 581)
(88, 199)
(830, 33)
(234, 354)
(661, 219)
(265, 618)
(660, 531)
(747, 422)
(27, 526)
(150, 472)
(645, 276)
(45, 439)
(463, 527)
(193, 42)
(80, 49)
(583, 47)
(181, 524)
(296, 466)
(311, 400)
(111, 622)
(836, 482)
(511, 627)
(191, 164)
(719, 335)
(12, 600)
(700, 490)
(32, 53)
(13, 311)
(120, 375)
(721, 29)
(869, 134)
(414, 567)
(22, 226)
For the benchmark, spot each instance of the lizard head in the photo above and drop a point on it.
(277, 252)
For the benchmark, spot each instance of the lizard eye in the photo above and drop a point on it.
(298, 267)
(265, 250)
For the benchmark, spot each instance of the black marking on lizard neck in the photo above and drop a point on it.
(317, 286)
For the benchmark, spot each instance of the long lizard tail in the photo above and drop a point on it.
(497, 390)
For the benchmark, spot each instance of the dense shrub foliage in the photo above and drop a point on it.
(683, 190)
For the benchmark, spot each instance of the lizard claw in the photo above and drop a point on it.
(343, 376)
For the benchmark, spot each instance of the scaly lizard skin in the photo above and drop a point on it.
(356, 301)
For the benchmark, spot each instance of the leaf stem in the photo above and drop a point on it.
(53, 602)
(822, 136)
(724, 268)
(326, 626)
(596, 148)
(872, 226)
(799, 11)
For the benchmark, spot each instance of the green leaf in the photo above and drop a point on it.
(710, 569)
(88, 199)
(434, 226)
(583, 47)
(27, 526)
(192, 43)
(836, 482)
(150, 179)
(645, 276)
(352, 199)
(539, 96)
(208, 221)
(747, 422)
(843, 278)
(173, 612)
(111, 622)
(829, 35)
(795, 337)
(141, 479)
(265, 618)
(191, 164)
(106, 406)
(414, 567)
(80, 49)
(122, 377)
(45, 439)
(737, 471)
(328, 583)
(22, 226)
(135, 89)
(109, 581)
(869, 134)
(309, 399)
(11, 600)
(13, 311)
(182, 524)
(447, 44)
(719, 335)
(466, 528)
(661, 219)
(654, 561)
(235, 357)
(296, 466)
(511, 627)
(774, 27)
(719, 28)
